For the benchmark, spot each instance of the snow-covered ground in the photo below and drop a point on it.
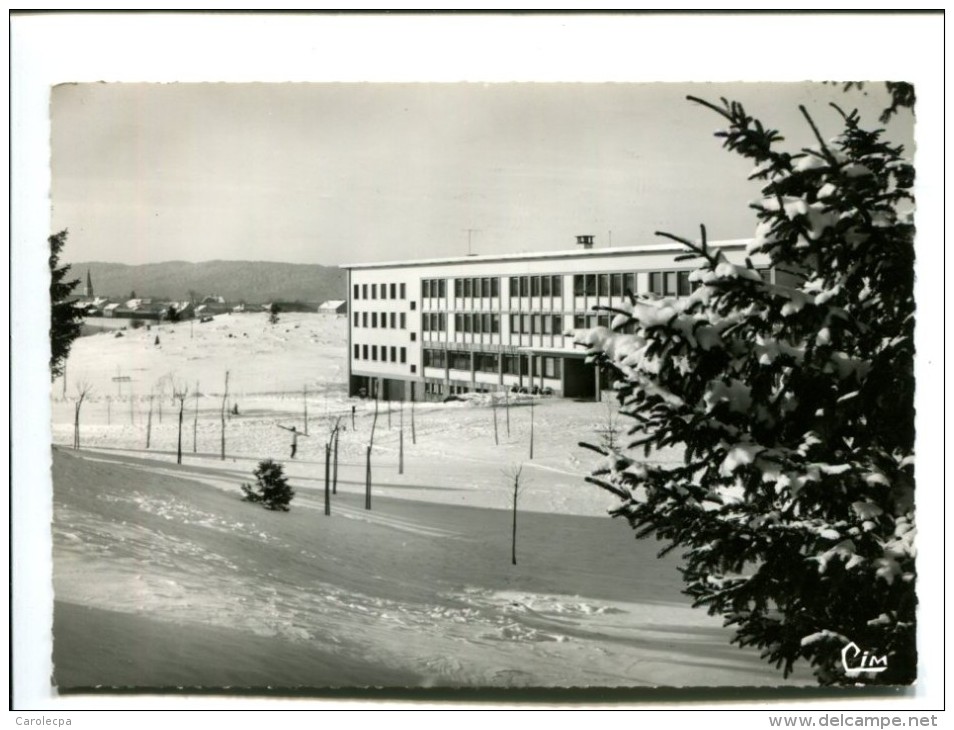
(190, 585)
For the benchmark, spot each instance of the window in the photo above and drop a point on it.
(536, 324)
(458, 322)
(495, 323)
(545, 329)
(495, 287)
(364, 291)
(656, 282)
(356, 292)
(413, 368)
(670, 282)
(485, 288)
(393, 320)
(403, 291)
(534, 286)
(525, 324)
(603, 320)
(515, 324)
(384, 291)
(394, 354)
(602, 285)
(589, 285)
(442, 288)
(374, 319)
(426, 289)
(486, 362)
(374, 291)
(364, 352)
(356, 319)
(524, 286)
(393, 291)
(551, 367)
(403, 354)
(384, 353)
(443, 322)
(578, 289)
(458, 288)
(468, 288)
(374, 352)
(357, 352)
(459, 360)
(545, 286)
(629, 283)
(384, 320)
(414, 337)
(685, 287)
(403, 321)
(579, 321)
(413, 306)
(511, 364)
(558, 286)
(616, 285)
(557, 324)
(514, 286)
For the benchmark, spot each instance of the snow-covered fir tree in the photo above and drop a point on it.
(794, 404)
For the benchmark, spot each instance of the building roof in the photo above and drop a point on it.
(567, 253)
(331, 304)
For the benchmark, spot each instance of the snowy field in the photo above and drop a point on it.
(164, 577)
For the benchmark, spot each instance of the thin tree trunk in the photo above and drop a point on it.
(413, 429)
(531, 426)
(76, 433)
(334, 477)
(195, 421)
(507, 409)
(179, 442)
(389, 415)
(401, 441)
(493, 407)
(225, 399)
(149, 424)
(513, 541)
(367, 476)
(328, 477)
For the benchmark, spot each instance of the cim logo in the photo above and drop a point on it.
(856, 661)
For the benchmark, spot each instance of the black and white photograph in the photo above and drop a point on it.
(511, 384)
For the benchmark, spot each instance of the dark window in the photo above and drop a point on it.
(551, 367)
(495, 287)
(537, 324)
(545, 329)
(414, 337)
(443, 288)
(557, 286)
(524, 286)
(443, 322)
(374, 291)
(403, 321)
(458, 288)
(534, 286)
(364, 319)
(384, 320)
(656, 282)
(384, 353)
(413, 368)
(458, 322)
(355, 319)
(476, 324)
(426, 288)
(515, 324)
(602, 285)
(357, 352)
(525, 324)
(589, 285)
(485, 288)
(403, 354)
(364, 291)
(671, 282)
(616, 285)
(685, 287)
(629, 283)
(468, 288)
(374, 352)
(413, 306)
(591, 321)
(393, 291)
(579, 322)
(495, 323)
(364, 352)
(394, 353)
(514, 286)
(393, 320)
(374, 319)
(603, 320)
(384, 291)
(578, 289)
(403, 291)
(545, 286)
(356, 292)
(557, 324)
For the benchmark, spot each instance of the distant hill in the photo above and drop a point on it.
(253, 282)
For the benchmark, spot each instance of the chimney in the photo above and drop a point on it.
(585, 242)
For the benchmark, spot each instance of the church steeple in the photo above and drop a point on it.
(89, 285)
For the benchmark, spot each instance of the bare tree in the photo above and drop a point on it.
(513, 481)
(149, 420)
(332, 435)
(83, 389)
(413, 428)
(367, 470)
(610, 431)
(401, 439)
(532, 401)
(507, 409)
(195, 421)
(180, 391)
(225, 400)
(334, 468)
(493, 407)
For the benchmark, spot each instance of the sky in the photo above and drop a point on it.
(332, 173)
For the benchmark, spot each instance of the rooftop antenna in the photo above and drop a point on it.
(470, 235)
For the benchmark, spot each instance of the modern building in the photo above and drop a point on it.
(430, 328)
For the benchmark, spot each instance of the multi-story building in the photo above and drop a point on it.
(431, 328)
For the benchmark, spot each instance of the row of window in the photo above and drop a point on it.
(490, 362)
(485, 287)
(536, 324)
(371, 352)
(434, 288)
(398, 320)
(433, 322)
(535, 286)
(397, 291)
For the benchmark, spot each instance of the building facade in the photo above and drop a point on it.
(427, 329)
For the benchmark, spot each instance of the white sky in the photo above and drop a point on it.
(331, 173)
